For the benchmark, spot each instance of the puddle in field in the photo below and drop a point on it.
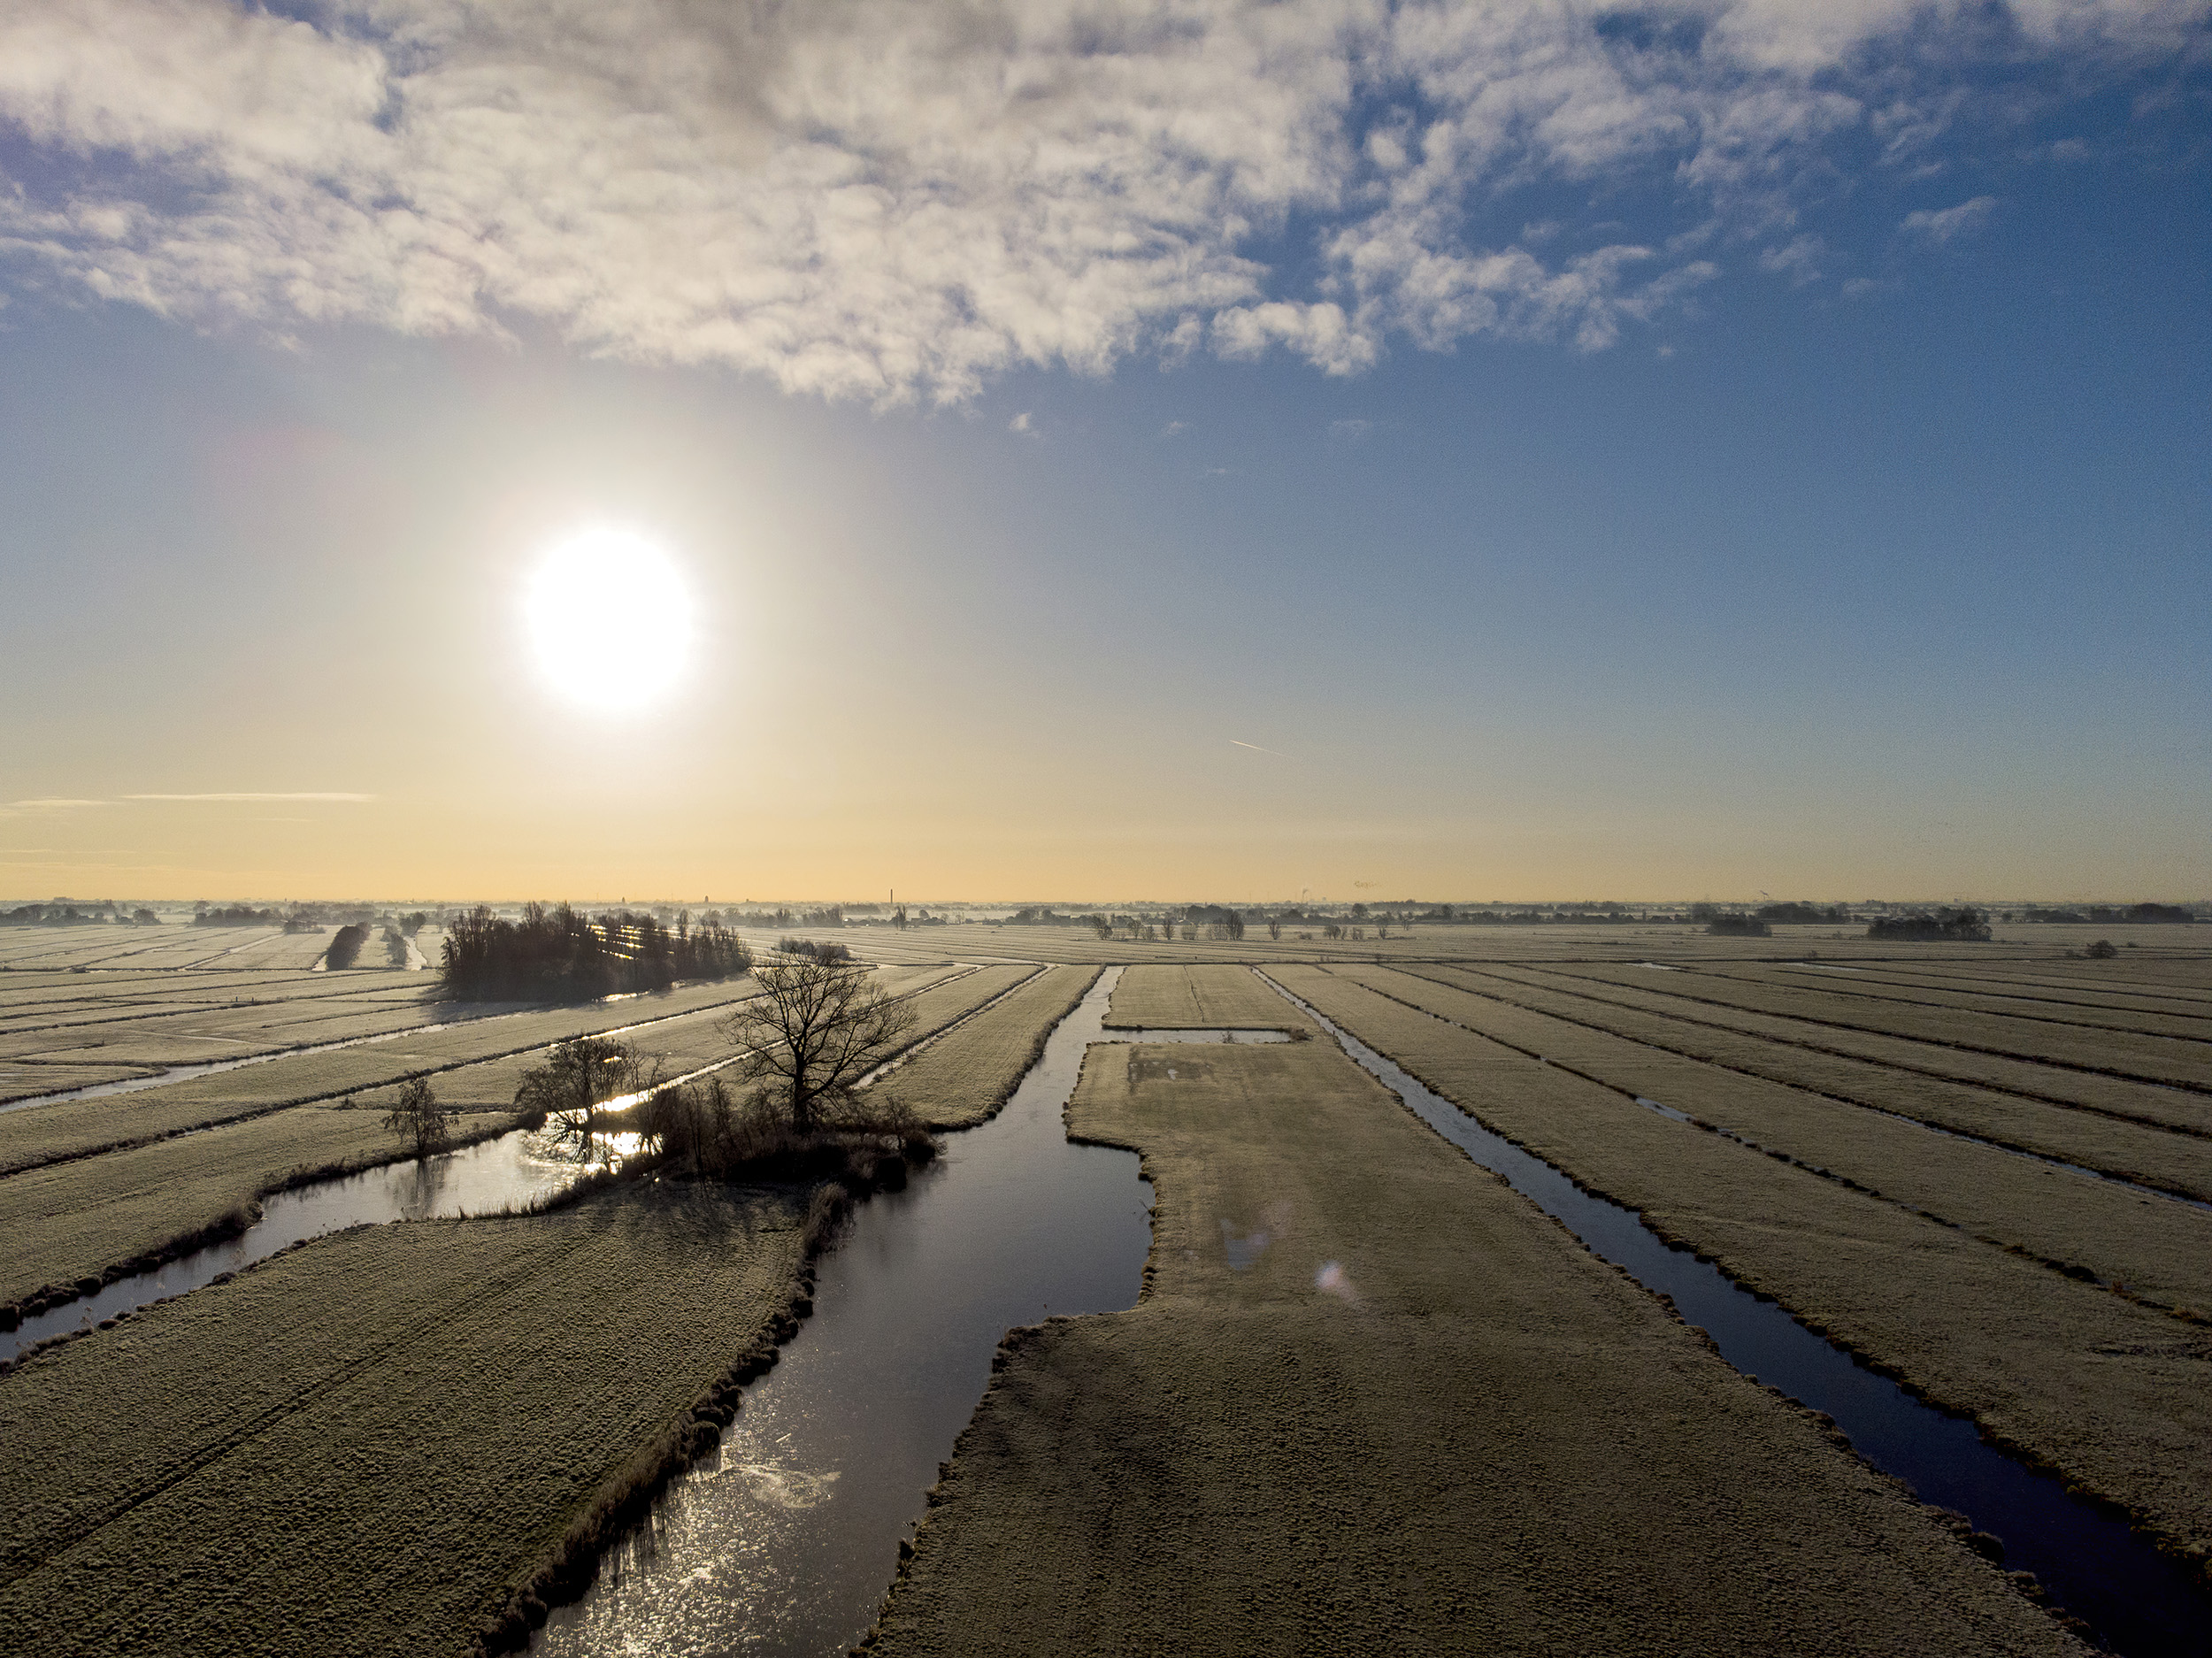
(784, 1543)
(506, 1172)
(2140, 1602)
(1665, 1110)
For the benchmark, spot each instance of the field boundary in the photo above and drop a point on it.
(2065, 1269)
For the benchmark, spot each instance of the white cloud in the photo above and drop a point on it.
(53, 803)
(1800, 260)
(1020, 422)
(888, 199)
(250, 796)
(1940, 225)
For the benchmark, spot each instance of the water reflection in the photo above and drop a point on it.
(784, 1543)
(509, 1171)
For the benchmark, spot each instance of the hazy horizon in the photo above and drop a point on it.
(1313, 900)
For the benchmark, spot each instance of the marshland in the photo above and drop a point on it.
(1625, 1284)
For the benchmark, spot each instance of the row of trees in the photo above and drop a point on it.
(345, 948)
(239, 916)
(560, 953)
(1956, 925)
(2106, 914)
(64, 912)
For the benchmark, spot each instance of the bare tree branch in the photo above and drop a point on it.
(817, 1028)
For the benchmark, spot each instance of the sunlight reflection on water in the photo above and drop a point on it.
(785, 1542)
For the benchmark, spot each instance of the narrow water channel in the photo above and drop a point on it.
(509, 1171)
(2140, 1602)
(784, 1544)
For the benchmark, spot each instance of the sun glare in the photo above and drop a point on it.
(610, 620)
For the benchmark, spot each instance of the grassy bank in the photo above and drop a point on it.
(1372, 1399)
(370, 1445)
(83, 1220)
(79, 1221)
(961, 1079)
(44, 1135)
(2111, 1096)
(2037, 1047)
(2108, 1392)
(1199, 998)
(2161, 1251)
(2131, 1148)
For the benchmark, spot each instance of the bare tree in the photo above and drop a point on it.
(815, 1030)
(416, 1116)
(566, 1092)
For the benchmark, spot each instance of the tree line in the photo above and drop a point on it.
(560, 953)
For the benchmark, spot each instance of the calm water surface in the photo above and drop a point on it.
(786, 1542)
(494, 1174)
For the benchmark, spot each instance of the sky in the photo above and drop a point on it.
(1185, 452)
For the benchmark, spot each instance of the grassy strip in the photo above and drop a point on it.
(1921, 997)
(2107, 1096)
(1417, 1417)
(2032, 994)
(68, 1227)
(388, 1442)
(158, 1049)
(222, 1012)
(964, 1078)
(2179, 980)
(29, 1077)
(66, 1231)
(115, 994)
(2160, 1252)
(47, 1134)
(2133, 1151)
(184, 1036)
(2108, 1394)
(2165, 1061)
(1199, 998)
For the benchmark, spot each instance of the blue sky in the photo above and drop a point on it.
(1735, 449)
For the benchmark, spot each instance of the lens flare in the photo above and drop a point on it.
(610, 620)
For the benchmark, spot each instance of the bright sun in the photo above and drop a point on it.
(609, 620)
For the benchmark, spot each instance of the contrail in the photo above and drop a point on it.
(1255, 748)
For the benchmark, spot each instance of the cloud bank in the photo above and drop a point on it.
(256, 796)
(891, 200)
